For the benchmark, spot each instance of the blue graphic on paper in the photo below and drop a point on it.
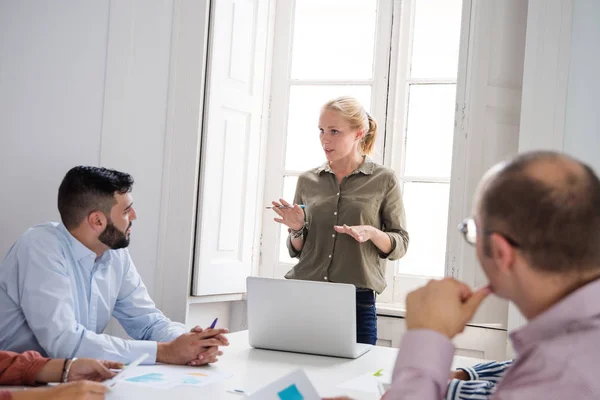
(154, 377)
(290, 393)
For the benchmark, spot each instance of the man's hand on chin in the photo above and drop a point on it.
(444, 306)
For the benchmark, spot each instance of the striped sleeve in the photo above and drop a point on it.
(482, 384)
(470, 390)
(490, 371)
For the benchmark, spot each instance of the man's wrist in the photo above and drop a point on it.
(471, 373)
(460, 374)
(163, 352)
(436, 329)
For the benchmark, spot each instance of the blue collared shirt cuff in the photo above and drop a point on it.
(428, 351)
(473, 375)
(139, 347)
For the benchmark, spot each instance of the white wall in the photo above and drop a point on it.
(52, 65)
(76, 92)
(545, 78)
(86, 83)
(135, 107)
(582, 128)
(561, 86)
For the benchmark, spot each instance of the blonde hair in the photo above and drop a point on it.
(357, 117)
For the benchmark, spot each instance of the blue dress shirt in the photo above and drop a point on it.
(57, 298)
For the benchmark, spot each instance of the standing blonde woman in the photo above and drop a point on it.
(353, 214)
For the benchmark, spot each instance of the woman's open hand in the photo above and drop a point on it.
(290, 215)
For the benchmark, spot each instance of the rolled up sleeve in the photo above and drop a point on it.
(393, 220)
(20, 369)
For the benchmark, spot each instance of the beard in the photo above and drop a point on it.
(113, 237)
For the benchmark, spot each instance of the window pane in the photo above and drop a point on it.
(303, 149)
(427, 219)
(289, 188)
(334, 39)
(436, 39)
(430, 130)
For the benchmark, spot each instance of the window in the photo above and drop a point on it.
(386, 54)
(423, 134)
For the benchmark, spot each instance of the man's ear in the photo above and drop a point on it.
(97, 221)
(503, 254)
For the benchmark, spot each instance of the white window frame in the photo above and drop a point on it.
(186, 97)
(396, 123)
(270, 265)
(389, 104)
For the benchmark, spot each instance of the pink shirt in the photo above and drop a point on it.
(558, 356)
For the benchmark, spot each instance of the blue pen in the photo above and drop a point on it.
(299, 205)
(212, 326)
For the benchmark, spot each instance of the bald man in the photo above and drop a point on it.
(536, 230)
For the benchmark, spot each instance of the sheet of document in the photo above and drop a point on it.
(376, 382)
(165, 377)
(293, 386)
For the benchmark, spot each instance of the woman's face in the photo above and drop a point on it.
(338, 139)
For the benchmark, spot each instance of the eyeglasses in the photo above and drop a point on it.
(469, 230)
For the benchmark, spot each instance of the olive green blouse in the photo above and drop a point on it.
(368, 196)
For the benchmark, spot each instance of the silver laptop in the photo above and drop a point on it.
(303, 317)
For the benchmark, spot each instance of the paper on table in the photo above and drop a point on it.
(363, 383)
(165, 377)
(126, 371)
(293, 386)
(290, 393)
(154, 380)
(369, 383)
(202, 377)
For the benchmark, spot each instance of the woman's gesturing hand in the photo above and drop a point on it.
(290, 215)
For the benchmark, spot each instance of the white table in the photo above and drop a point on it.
(253, 368)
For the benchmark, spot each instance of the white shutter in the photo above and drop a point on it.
(229, 183)
(487, 125)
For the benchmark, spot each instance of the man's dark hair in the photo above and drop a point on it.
(555, 219)
(87, 189)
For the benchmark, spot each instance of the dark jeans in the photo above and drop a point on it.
(366, 317)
